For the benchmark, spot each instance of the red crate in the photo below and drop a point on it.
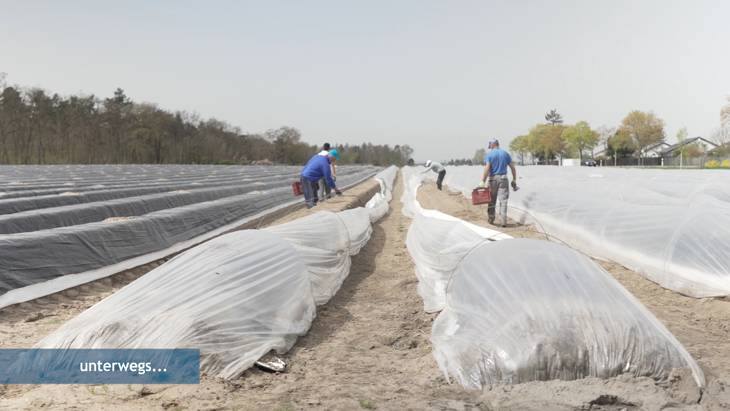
(481, 195)
(296, 187)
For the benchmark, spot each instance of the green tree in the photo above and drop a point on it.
(644, 129)
(580, 137)
(520, 145)
(620, 145)
(553, 117)
(546, 141)
(40, 127)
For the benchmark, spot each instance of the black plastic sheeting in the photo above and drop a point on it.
(70, 233)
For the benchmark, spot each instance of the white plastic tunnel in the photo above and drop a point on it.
(521, 310)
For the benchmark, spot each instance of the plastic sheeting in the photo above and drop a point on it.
(323, 241)
(235, 297)
(517, 310)
(672, 226)
(77, 238)
(523, 310)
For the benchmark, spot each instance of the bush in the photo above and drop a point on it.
(712, 164)
(725, 164)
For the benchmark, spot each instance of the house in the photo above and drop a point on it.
(655, 150)
(674, 150)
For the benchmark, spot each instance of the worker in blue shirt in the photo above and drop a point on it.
(316, 168)
(495, 173)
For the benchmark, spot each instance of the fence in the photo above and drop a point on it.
(671, 162)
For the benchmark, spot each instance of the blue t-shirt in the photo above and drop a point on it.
(498, 160)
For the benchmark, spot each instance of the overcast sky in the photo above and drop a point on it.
(442, 76)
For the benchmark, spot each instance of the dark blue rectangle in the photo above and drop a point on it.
(99, 366)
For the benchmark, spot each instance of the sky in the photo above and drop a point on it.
(441, 76)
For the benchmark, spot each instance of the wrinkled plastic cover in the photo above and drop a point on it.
(235, 297)
(323, 241)
(105, 220)
(672, 226)
(516, 310)
(522, 310)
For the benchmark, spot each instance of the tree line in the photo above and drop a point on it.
(638, 132)
(41, 128)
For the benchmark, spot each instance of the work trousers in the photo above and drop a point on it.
(499, 188)
(309, 189)
(440, 179)
(325, 192)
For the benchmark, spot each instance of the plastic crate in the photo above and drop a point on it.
(481, 195)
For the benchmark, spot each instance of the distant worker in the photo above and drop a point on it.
(437, 168)
(495, 173)
(323, 189)
(318, 167)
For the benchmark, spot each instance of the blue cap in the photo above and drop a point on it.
(334, 153)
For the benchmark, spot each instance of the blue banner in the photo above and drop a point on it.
(99, 366)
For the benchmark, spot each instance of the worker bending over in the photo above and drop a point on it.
(324, 190)
(495, 173)
(438, 169)
(317, 167)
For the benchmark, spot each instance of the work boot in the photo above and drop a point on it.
(490, 220)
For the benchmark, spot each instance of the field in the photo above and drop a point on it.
(371, 346)
(91, 221)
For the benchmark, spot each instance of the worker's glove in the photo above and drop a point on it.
(481, 184)
(514, 185)
(338, 192)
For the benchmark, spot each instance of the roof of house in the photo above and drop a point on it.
(659, 144)
(675, 147)
(724, 146)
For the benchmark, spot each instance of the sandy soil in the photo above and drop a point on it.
(369, 348)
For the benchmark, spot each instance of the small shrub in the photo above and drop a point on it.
(712, 164)
(725, 164)
(367, 404)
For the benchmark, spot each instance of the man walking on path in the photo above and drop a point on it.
(495, 172)
(437, 168)
(317, 167)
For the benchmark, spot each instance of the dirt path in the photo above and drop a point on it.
(701, 325)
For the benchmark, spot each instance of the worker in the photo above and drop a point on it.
(495, 173)
(325, 149)
(323, 189)
(317, 167)
(437, 168)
